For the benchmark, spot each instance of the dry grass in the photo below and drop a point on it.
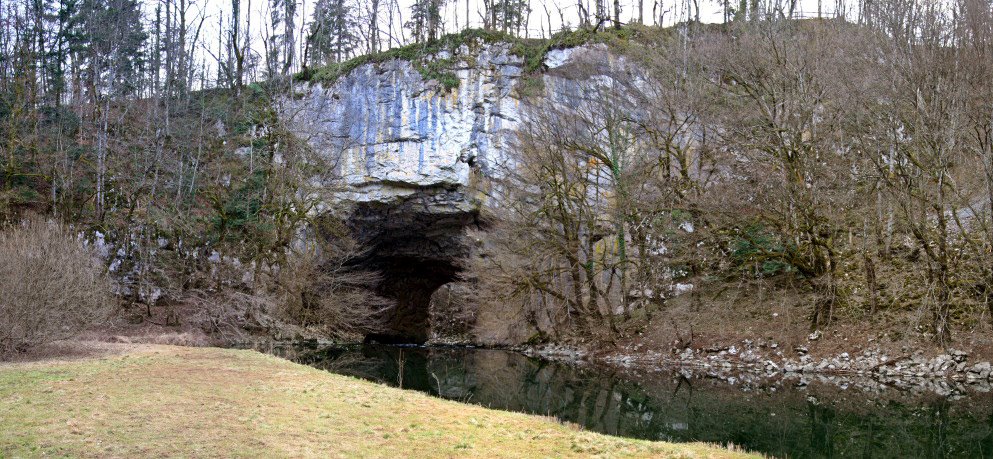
(156, 401)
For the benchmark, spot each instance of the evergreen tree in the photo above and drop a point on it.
(425, 19)
(281, 44)
(332, 33)
(112, 44)
(506, 15)
(112, 59)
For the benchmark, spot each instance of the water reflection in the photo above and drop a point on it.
(774, 417)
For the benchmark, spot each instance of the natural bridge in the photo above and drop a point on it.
(416, 160)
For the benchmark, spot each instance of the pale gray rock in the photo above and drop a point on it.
(413, 163)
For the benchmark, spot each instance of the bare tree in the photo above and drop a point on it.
(782, 75)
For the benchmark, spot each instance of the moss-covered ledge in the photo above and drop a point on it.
(425, 56)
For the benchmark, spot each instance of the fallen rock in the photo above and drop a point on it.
(958, 356)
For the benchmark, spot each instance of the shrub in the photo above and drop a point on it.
(756, 249)
(51, 286)
(320, 287)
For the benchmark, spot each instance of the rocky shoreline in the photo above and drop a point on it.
(758, 362)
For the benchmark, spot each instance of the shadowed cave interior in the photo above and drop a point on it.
(416, 246)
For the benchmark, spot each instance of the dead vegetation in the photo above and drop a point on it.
(319, 286)
(51, 285)
(846, 166)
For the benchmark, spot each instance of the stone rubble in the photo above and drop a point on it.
(948, 374)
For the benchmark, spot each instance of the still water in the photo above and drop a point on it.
(778, 418)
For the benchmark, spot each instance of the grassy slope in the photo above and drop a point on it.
(172, 401)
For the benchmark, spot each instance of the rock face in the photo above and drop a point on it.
(415, 159)
(396, 133)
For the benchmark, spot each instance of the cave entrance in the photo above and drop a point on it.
(417, 246)
(409, 282)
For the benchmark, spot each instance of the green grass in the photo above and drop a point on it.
(157, 401)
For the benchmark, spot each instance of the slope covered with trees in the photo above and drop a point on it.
(844, 163)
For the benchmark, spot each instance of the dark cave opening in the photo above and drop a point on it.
(409, 282)
(416, 246)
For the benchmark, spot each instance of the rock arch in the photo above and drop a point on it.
(417, 244)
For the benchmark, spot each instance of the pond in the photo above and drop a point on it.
(782, 418)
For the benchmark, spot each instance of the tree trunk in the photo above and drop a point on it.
(870, 281)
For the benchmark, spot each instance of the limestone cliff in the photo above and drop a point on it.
(414, 157)
(396, 133)
(393, 133)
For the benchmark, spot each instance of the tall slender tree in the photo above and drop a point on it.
(332, 36)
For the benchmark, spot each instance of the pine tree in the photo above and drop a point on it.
(289, 34)
(112, 42)
(332, 33)
(281, 43)
(425, 19)
(507, 16)
(112, 58)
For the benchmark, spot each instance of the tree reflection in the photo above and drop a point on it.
(808, 422)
